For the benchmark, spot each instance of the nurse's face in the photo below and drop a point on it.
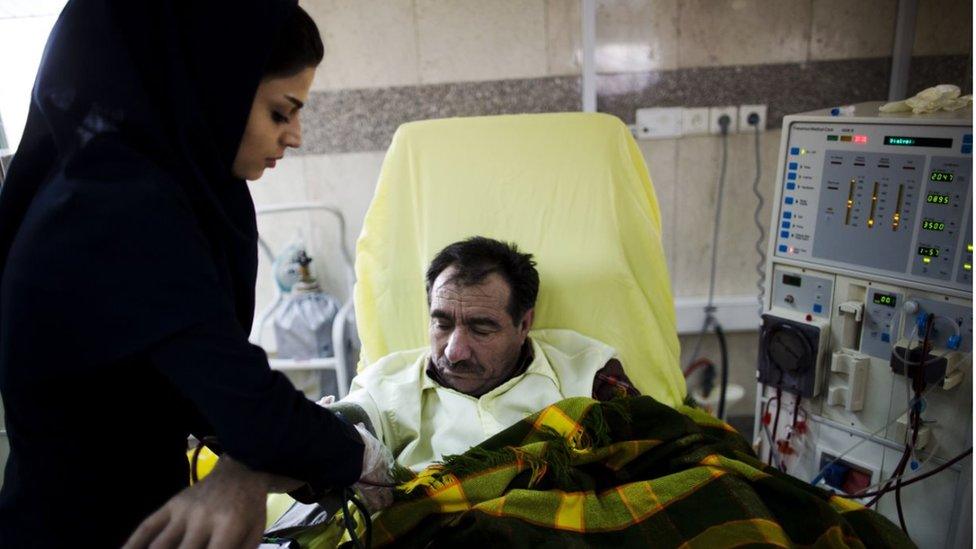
(273, 124)
(474, 341)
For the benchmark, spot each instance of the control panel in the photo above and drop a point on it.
(879, 198)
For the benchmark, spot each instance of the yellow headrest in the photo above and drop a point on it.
(570, 188)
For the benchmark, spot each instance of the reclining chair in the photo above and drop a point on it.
(570, 188)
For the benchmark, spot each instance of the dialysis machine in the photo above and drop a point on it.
(870, 260)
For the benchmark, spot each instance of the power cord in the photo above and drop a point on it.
(710, 321)
(753, 121)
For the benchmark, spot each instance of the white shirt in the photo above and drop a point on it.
(421, 421)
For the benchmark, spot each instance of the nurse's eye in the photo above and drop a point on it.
(279, 118)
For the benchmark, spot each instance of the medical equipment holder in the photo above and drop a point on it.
(339, 359)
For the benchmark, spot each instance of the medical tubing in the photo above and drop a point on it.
(779, 406)
(879, 485)
(347, 520)
(816, 480)
(914, 418)
(914, 479)
(757, 219)
(724, 350)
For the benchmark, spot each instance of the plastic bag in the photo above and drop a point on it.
(941, 97)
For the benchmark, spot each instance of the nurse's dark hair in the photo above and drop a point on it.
(477, 257)
(297, 48)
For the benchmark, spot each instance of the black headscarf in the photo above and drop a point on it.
(130, 86)
(128, 255)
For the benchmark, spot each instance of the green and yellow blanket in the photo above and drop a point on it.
(629, 473)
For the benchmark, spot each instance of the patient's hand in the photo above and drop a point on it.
(225, 509)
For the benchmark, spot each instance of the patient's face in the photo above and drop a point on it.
(474, 342)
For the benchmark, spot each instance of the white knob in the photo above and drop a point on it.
(910, 307)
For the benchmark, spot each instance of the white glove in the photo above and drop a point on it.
(375, 485)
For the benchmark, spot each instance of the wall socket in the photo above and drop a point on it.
(694, 121)
(674, 122)
(658, 123)
(714, 113)
(745, 111)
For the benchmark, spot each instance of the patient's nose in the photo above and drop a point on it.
(457, 347)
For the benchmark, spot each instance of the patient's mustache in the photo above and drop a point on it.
(461, 366)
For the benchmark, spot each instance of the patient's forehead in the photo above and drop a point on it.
(490, 295)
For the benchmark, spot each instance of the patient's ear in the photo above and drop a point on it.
(527, 319)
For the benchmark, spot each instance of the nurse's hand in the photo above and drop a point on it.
(225, 509)
(375, 484)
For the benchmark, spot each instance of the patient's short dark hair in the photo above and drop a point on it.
(478, 257)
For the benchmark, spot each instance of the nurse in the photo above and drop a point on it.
(128, 260)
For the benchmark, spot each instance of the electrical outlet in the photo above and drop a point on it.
(694, 121)
(658, 123)
(745, 111)
(714, 113)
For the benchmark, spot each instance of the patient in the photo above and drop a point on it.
(485, 369)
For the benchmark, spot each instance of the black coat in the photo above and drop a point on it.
(128, 258)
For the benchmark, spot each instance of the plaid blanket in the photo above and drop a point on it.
(630, 472)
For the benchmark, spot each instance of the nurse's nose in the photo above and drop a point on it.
(458, 347)
(293, 135)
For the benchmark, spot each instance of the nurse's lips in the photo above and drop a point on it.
(271, 162)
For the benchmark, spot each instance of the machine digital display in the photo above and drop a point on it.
(791, 280)
(909, 141)
(884, 299)
(937, 198)
(928, 251)
(939, 175)
(933, 225)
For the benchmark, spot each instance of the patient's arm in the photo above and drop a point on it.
(611, 382)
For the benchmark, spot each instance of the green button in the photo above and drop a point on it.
(831, 138)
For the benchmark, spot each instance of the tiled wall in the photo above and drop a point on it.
(390, 61)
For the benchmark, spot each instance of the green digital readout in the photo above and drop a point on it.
(928, 251)
(937, 198)
(933, 225)
(884, 299)
(910, 141)
(939, 175)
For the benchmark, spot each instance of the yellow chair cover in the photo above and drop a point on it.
(570, 188)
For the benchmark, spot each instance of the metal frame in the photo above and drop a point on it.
(339, 358)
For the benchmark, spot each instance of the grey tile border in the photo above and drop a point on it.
(365, 120)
